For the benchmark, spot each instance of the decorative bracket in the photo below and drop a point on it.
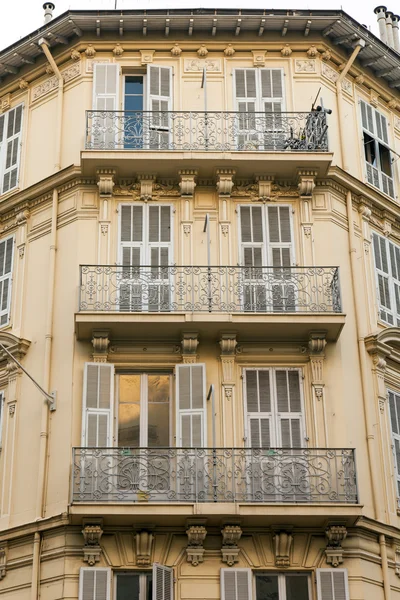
(264, 186)
(316, 345)
(146, 186)
(306, 183)
(3, 559)
(379, 352)
(228, 345)
(187, 182)
(100, 342)
(225, 181)
(336, 534)
(282, 546)
(144, 545)
(231, 535)
(189, 345)
(92, 533)
(194, 550)
(106, 181)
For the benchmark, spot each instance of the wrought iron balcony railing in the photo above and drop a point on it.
(209, 289)
(274, 475)
(206, 131)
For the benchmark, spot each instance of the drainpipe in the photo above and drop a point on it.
(360, 44)
(60, 100)
(368, 402)
(385, 568)
(35, 566)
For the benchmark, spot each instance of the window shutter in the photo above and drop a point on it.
(11, 134)
(191, 406)
(236, 584)
(381, 127)
(258, 400)
(272, 89)
(163, 582)
(1, 416)
(98, 399)
(289, 406)
(6, 264)
(381, 256)
(332, 584)
(159, 101)
(105, 99)
(394, 404)
(367, 117)
(94, 584)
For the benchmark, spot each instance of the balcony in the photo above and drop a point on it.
(175, 139)
(261, 302)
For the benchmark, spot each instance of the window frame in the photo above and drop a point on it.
(391, 282)
(282, 581)
(8, 276)
(3, 148)
(393, 437)
(259, 100)
(143, 576)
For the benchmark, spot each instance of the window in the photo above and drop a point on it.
(387, 270)
(394, 404)
(377, 155)
(282, 587)
(10, 148)
(6, 265)
(134, 586)
(145, 253)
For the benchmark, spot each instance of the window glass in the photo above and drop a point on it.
(297, 587)
(267, 587)
(129, 411)
(128, 587)
(158, 410)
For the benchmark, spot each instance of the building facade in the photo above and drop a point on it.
(200, 265)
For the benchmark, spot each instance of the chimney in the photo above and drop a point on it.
(389, 28)
(396, 37)
(380, 11)
(48, 11)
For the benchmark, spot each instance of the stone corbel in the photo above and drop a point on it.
(366, 214)
(144, 545)
(146, 186)
(187, 182)
(264, 186)
(3, 559)
(306, 183)
(335, 534)
(397, 560)
(189, 344)
(225, 181)
(231, 535)
(316, 345)
(379, 352)
(283, 541)
(228, 345)
(100, 342)
(92, 532)
(196, 535)
(106, 181)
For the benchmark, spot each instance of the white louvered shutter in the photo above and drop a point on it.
(191, 406)
(247, 103)
(394, 404)
(394, 254)
(160, 249)
(289, 408)
(98, 399)
(367, 117)
(10, 141)
(332, 584)
(383, 281)
(131, 256)
(252, 257)
(272, 104)
(105, 99)
(94, 584)
(6, 265)
(281, 254)
(386, 172)
(159, 98)
(236, 584)
(163, 582)
(257, 387)
(1, 416)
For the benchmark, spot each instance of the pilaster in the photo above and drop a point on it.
(306, 185)
(105, 183)
(21, 221)
(228, 345)
(316, 345)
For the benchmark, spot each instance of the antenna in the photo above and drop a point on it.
(315, 100)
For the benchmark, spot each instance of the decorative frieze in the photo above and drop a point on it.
(335, 534)
(187, 182)
(144, 541)
(51, 84)
(197, 65)
(194, 551)
(92, 533)
(105, 181)
(3, 559)
(282, 546)
(231, 535)
(302, 65)
(225, 181)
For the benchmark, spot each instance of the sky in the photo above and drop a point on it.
(21, 17)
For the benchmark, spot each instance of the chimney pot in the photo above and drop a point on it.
(380, 12)
(389, 29)
(396, 35)
(48, 8)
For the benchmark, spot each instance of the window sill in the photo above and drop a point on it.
(376, 189)
(9, 193)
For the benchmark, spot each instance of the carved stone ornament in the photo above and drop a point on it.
(90, 51)
(264, 186)
(187, 182)
(360, 79)
(246, 189)
(5, 103)
(231, 535)
(393, 104)
(282, 546)
(312, 52)
(11, 409)
(3, 559)
(194, 550)
(228, 344)
(23, 84)
(146, 186)
(146, 56)
(304, 65)
(92, 550)
(225, 181)
(229, 50)
(224, 229)
(187, 228)
(49, 70)
(335, 534)
(118, 50)
(286, 50)
(197, 65)
(202, 51)
(105, 181)
(100, 342)
(306, 182)
(374, 98)
(176, 50)
(144, 546)
(397, 560)
(327, 55)
(189, 344)
(75, 55)
(259, 58)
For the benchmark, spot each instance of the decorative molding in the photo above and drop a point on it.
(11, 409)
(146, 186)
(316, 346)
(397, 123)
(229, 50)
(5, 103)
(18, 347)
(146, 56)
(335, 534)
(231, 535)
(286, 50)
(92, 533)
(3, 559)
(144, 541)
(306, 183)
(187, 183)
(118, 50)
(197, 65)
(282, 546)
(302, 65)
(224, 229)
(360, 79)
(105, 181)
(52, 83)
(329, 73)
(194, 551)
(90, 51)
(100, 342)
(187, 228)
(327, 55)
(379, 348)
(397, 560)
(202, 51)
(225, 181)
(228, 345)
(312, 52)
(75, 55)
(176, 50)
(189, 344)
(90, 62)
(23, 84)
(374, 98)
(259, 58)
